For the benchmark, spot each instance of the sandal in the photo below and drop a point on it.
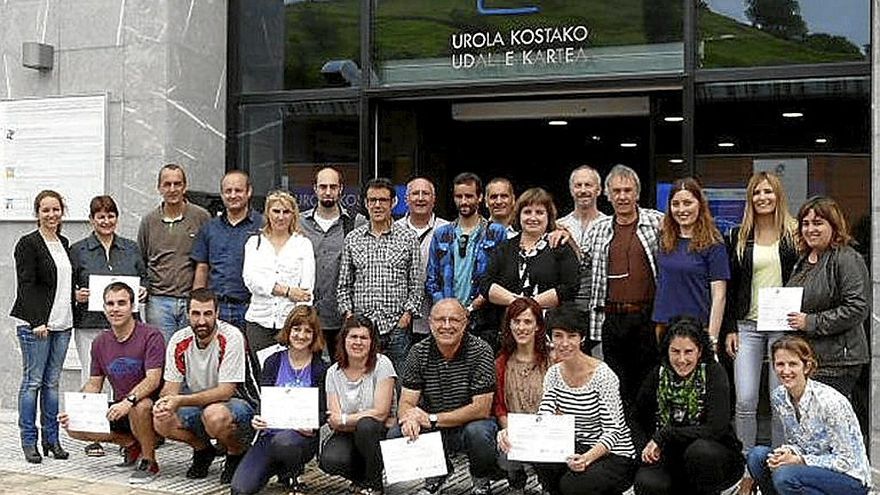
(94, 450)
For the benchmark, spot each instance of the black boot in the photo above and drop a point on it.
(31, 454)
(56, 450)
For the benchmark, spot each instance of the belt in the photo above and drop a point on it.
(623, 307)
(231, 300)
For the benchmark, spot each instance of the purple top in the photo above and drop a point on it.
(125, 364)
(683, 279)
(289, 377)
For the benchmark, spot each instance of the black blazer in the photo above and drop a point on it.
(36, 276)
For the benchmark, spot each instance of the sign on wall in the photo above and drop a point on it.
(52, 143)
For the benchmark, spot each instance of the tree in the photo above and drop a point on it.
(780, 18)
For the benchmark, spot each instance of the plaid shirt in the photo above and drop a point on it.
(594, 262)
(381, 277)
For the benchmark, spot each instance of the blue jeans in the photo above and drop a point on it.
(476, 438)
(41, 361)
(396, 344)
(191, 417)
(167, 313)
(754, 346)
(280, 452)
(798, 479)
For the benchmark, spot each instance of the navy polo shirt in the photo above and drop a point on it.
(221, 245)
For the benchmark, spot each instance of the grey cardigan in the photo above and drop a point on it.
(837, 296)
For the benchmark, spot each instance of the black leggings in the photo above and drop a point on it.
(355, 455)
(610, 475)
(705, 467)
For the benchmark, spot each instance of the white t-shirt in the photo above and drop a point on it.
(222, 361)
(61, 315)
(359, 395)
(325, 223)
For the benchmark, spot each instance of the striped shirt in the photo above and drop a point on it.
(596, 407)
(449, 385)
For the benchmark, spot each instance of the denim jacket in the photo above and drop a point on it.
(440, 280)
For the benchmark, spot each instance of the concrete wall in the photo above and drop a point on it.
(163, 65)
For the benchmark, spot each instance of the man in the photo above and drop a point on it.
(380, 273)
(209, 389)
(585, 187)
(448, 382)
(131, 356)
(326, 225)
(500, 201)
(219, 248)
(420, 218)
(166, 238)
(459, 256)
(618, 280)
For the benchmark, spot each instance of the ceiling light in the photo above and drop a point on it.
(725, 144)
(676, 160)
(558, 122)
(628, 145)
(821, 140)
(792, 115)
(673, 119)
(596, 138)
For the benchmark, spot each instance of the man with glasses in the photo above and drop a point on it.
(459, 256)
(618, 280)
(420, 218)
(380, 273)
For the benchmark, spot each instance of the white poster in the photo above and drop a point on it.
(52, 143)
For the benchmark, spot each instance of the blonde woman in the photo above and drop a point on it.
(279, 270)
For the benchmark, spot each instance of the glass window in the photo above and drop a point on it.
(746, 33)
(454, 40)
(283, 145)
(297, 44)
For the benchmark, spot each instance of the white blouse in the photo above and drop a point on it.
(293, 266)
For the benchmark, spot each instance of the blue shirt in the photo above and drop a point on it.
(464, 266)
(221, 245)
(684, 278)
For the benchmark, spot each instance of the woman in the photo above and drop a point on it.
(519, 372)
(279, 270)
(762, 252)
(823, 446)
(43, 312)
(684, 419)
(360, 393)
(101, 253)
(692, 266)
(285, 452)
(526, 265)
(836, 294)
(585, 387)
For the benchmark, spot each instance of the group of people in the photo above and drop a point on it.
(449, 326)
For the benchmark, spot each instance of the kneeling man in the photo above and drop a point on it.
(131, 356)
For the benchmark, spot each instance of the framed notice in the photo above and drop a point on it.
(52, 143)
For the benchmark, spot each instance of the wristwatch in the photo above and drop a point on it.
(432, 418)
(133, 399)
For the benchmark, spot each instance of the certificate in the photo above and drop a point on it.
(290, 408)
(540, 438)
(87, 412)
(97, 284)
(774, 305)
(407, 460)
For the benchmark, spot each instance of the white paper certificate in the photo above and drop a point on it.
(87, 412)
(774, 305)
(97, 284)
(290, 408)
(407, 460)
(540, 438)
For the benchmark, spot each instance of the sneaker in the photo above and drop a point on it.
(145, 472)
(202, 460)
(482, 486)
(433, 485)
(129, 455)
(229, 467)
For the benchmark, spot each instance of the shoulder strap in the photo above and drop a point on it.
(347, 223)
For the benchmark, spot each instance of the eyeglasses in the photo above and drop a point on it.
(378, 201)
(448, 320)
(462, 245)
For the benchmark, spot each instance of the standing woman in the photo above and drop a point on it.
(836, 294)
(762, 252)
(519, 372)
(360, 393)
(692, 266)
(44, 316)
(285, 452)
(279, 270)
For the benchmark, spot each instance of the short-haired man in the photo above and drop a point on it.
(618, 280)
(448, 383)
(130, 356)
(420, 218)
(459, 256)
(166, 238)
(209, 391)
(219, 248)
(500, 201)
(585, 187)
(326, 225)
(380, 272)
